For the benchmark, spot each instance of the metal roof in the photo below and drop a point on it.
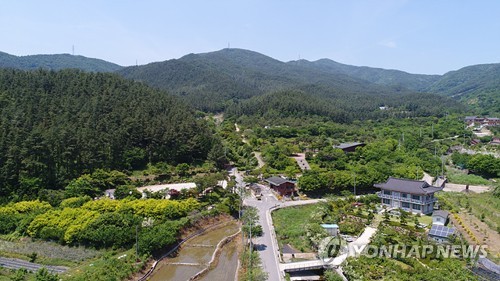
(277, 180)
(348, 144)
(328, 225)
(408, 186)
(441, 231)
(441, 213)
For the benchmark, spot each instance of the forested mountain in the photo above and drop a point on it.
(318, 103)
(56, 62)
(55, 126)
(389, 77)
(212, 81)
(477, 85)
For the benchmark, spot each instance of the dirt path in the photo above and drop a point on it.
(461, 187)
(260, 160)
(258, 155)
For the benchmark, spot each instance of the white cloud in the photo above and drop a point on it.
(388, 44)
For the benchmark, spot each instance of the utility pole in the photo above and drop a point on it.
(442, 166)
(433, 131)
(354, 185)
(250, 257)
(137, 241)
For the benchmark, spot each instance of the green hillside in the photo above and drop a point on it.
(222, 80)
(388, 77)
(56, 126)
(477, 86)
(56, 62)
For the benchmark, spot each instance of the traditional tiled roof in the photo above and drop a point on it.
(408, 186)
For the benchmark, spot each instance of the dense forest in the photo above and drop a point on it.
(56, 62)
(319, 103)
(213, 81)
(56, 126)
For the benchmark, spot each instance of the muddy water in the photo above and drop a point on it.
(193, 256)
(227, 265)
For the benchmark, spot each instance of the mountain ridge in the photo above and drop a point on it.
(230, 74)
(230, 79)
(56, 62)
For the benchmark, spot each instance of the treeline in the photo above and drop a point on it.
(485, 165)
(316, 103)
(56, 62)
(247, 83)
(56, 126)
(368, 165)
(109, 223)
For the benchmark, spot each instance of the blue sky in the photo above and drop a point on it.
(418, 36)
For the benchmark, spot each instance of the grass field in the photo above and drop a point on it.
(480, 204)
(290, 223)
(455, 176)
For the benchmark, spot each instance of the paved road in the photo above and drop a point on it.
(17, 264)
(268, 250)
(267, 245)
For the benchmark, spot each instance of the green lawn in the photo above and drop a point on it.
(290, 223)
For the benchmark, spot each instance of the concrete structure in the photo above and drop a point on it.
(282, 186)
(332, 229)
(164, 187)
(349, 146)
(440, 217)
(289, 253)
(410, 195)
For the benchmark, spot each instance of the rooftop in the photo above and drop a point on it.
(441, 213)
(348, 145)
(329, 225)
(408, 186)
(277, 180)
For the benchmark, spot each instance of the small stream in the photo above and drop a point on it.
(195, 254)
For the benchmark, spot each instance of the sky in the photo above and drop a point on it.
(417, 36)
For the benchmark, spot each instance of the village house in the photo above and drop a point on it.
(440, 217)
(282, 186)
(410, 195)
(484, 121)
